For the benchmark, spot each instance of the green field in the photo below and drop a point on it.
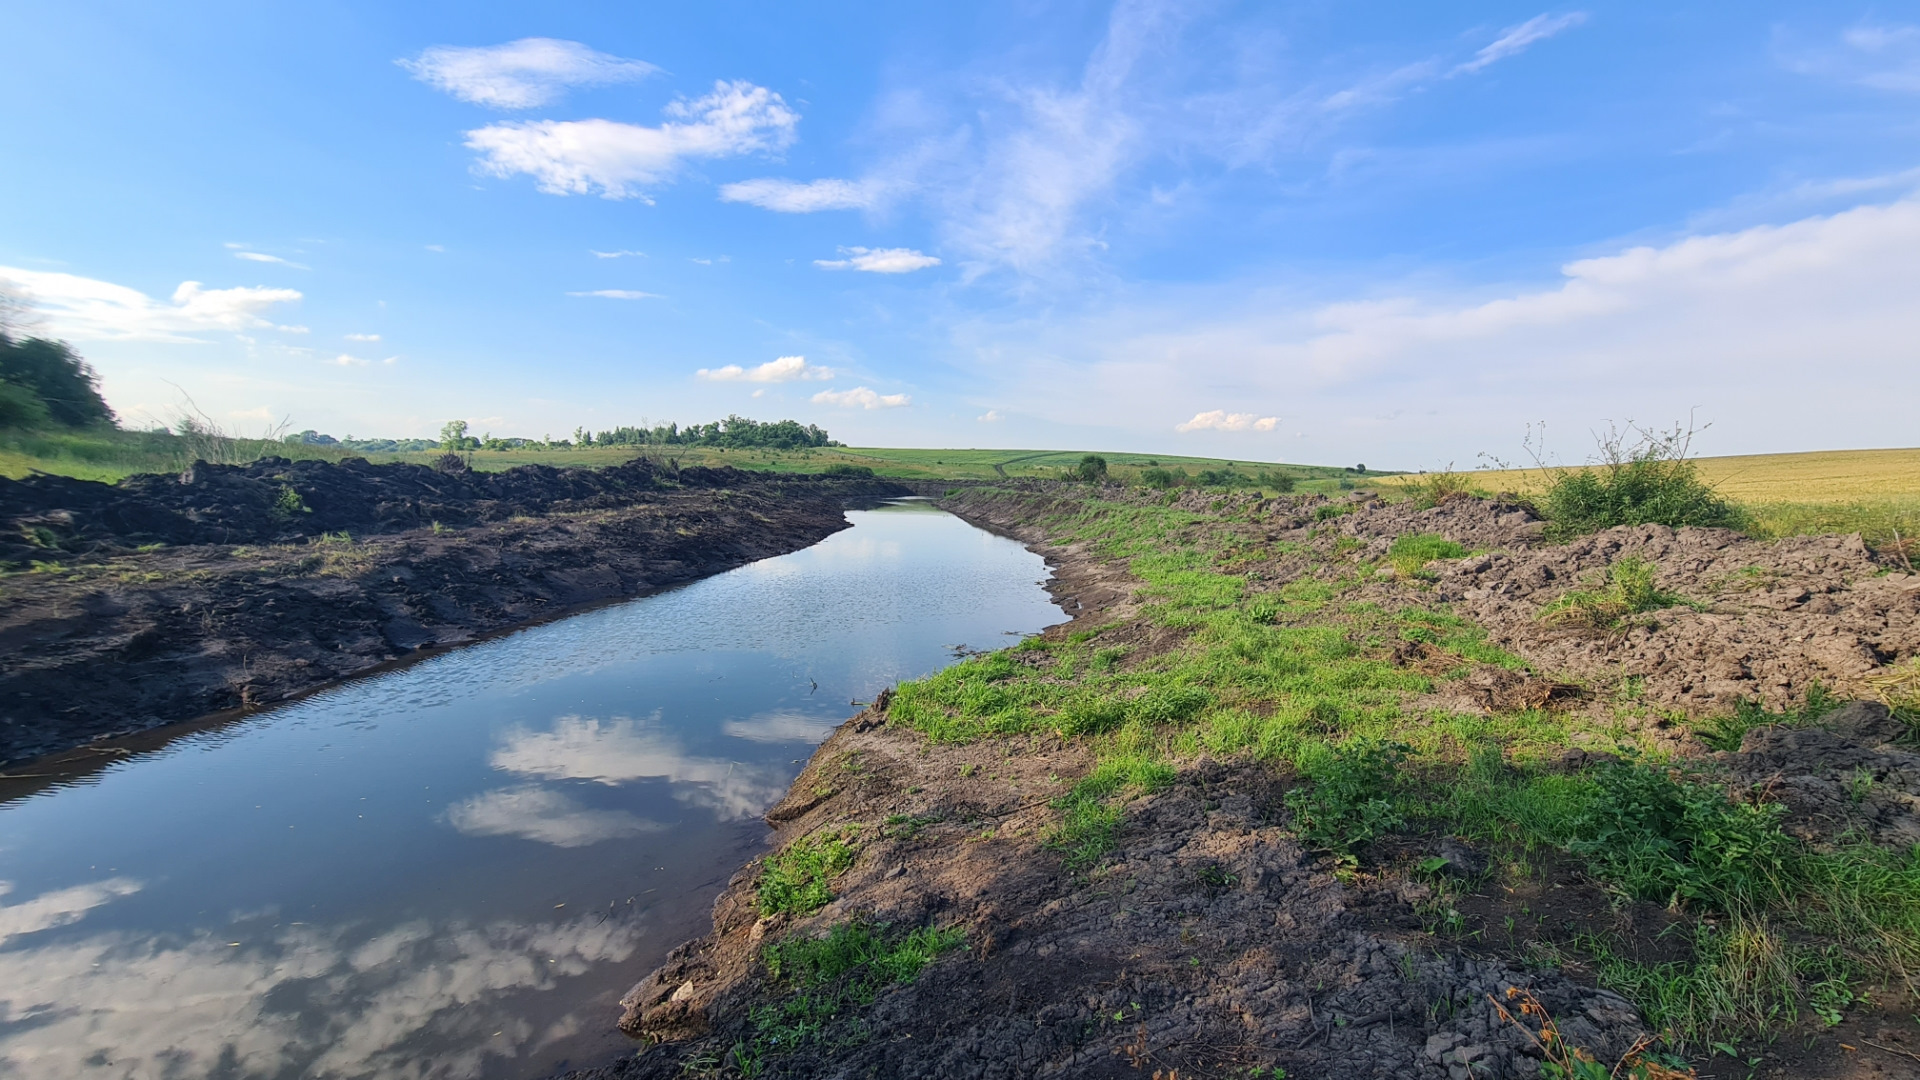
(111, 455)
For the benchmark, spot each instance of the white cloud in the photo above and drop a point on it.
(293, 1000)
(783, 369)
(1222, 420)
(619, 751)
(580, 157)
(792, 197)
(532, 812)
(861, 397)
(345, 360)
(88, 309)
(294, 329)
(619, 294)
(879, 260)
(261, 257)
(362, 337)
(520, 74)
(991, 416)
(1735, 323)
(62, 907)
(615, 254)
(781, 728)
(440, 248)
(1515, 39)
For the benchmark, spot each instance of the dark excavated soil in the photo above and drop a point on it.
(122, 640)
(1210, 943)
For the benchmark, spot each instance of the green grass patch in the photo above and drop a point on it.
(799, 880)
(1627, 589)
(818, 980)
(1411, 553)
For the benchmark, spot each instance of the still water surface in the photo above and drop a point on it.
(456, 868)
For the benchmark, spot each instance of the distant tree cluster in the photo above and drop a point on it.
(735, 432)
(45, 383)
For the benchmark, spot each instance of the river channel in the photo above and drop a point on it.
(454, 869)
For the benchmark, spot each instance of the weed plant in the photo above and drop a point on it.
(1350, 802)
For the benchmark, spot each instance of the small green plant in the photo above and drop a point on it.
(288, 505)
(1561, 1060)
(1351, 800)
(799, 880)
(1412, 552)
(1627, 589)
(332, 539)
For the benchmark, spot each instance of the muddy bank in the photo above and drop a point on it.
(1210, 942)
(119, 640)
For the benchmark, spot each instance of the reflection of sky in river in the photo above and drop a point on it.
(454, 870)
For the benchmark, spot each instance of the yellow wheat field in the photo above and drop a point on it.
(1823, 476)
(1872, 492)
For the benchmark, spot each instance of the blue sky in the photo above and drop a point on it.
(1391, 233)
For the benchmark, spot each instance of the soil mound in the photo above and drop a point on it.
(45, 518)
(1842, 776)
(1210, 943)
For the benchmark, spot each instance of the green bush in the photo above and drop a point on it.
(1162, 479)
(1278, 481)
(1412, 552)
(1351, 800)
(1092, 468)
(1653, 481)
(47, 380)
(798, 880)
(842, 469)
(1223, 478)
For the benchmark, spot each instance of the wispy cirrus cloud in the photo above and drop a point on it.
(782, 369)
(263, 257)
(1516, 39)
(617, 160)
(520, 74)
(88, 309)
(879, 260)
(532, 812)
(362, 337)
(618, 294)
(861, 397)
(793, 197)
(61, 907)
(621, 254)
